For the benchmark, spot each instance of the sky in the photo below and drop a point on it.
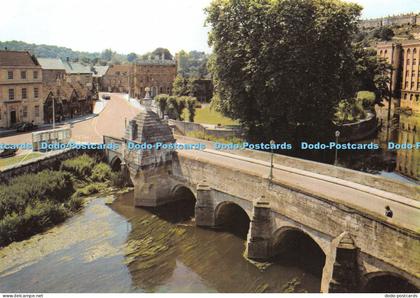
(130, 25)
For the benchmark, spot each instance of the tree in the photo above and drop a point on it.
(372, 73)
(190, 103)
(107, 54)
(282, 66)
(160, 51)
(131, 57)
(181, 86)
(384, 33)
(162, 102)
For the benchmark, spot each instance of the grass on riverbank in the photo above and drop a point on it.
(9, 161)
(207, 137)
(208, 115)
(31, 203)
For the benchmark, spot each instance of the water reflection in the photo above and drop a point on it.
(402, 129)
(127, 249)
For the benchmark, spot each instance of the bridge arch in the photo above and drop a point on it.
(115, 164)
(232, 217)
(295, 247)
(387, 282)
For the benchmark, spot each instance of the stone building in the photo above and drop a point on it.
(396, 20)
(117, 78)
(158, 75)
(78, 73)
(53, 69)
(405, 59)
(70, 100)
(99, 72)
(20, 89)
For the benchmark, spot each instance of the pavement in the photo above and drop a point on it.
(110, 120)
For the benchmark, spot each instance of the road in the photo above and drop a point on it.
(111, 121)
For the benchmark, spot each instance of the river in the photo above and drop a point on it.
(120, 248)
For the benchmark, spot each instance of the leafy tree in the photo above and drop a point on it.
(384, 33)
(131, 57)
(107, 55)
(160, 51)
(282, 66)
(190, 103)
(162, 102)
(181, 86)
(192, 64)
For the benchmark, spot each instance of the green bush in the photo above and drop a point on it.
(36, 218)
(27, 189)
(367, 99)
(80, 166)
(204, 136)
(90, 189)
(101, 172)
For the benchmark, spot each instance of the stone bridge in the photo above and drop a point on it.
(339, 211)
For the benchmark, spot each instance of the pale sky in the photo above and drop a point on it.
(129, 25)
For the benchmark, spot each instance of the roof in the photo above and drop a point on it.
(76, 68)
(113, 69)
(100, 70)
(16, 58)
(51, 63)
(156, 62)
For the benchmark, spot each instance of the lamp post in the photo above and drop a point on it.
(53, 104)
(337, 135)
(272, 142)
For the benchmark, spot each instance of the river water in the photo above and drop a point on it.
(120, 248)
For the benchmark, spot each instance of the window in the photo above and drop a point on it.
(408, 61)
(25, 111)
(11, 94)
(414, 61)
(10, 75)
(406, 73)
(413, 73)
(36, 92)
(412, 85)
(23, 75)
(405, 96)
(36, 111)
(24, 93)
(35, 74)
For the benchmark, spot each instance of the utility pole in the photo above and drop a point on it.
(53, 112)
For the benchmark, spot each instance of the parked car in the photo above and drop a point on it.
(26, 126)
(106, 96)
(7, 152)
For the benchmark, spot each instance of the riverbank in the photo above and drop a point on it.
(32, 203)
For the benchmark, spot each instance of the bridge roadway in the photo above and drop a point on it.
(367, 200)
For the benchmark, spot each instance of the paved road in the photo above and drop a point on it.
(366, 199)
(111, 121)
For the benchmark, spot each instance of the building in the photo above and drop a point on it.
(99, 72)
(20, 89)
(78, 73)
(405, 59)
(396, 20)
(158, 75)
(53, 69)
(117, 78)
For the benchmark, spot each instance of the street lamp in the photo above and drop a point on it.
(337, 135)
(53, 104)
(272, 142)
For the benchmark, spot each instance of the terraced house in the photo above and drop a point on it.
(20, 89)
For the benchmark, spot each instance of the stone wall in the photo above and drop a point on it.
(185, 128)
(379, 182)
(50, 160)
(359, 130)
